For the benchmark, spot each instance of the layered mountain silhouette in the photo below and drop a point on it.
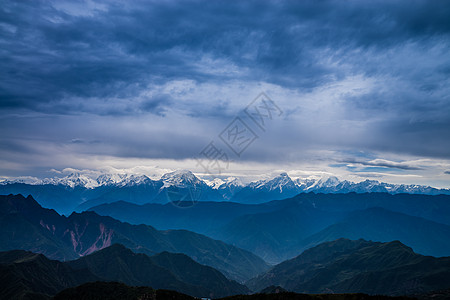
(33, 274)
(371, 243)
(28, 226)
(279, 230)
(358, 266)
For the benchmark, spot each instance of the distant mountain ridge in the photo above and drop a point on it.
(79, 192)
(330, 184)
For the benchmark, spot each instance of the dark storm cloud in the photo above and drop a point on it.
(115, 52)
(67, 59)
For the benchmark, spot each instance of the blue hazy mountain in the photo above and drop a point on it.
(80, 192)
(378, 224)
(28, 226)
(278, 230)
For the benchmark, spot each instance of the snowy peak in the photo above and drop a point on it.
(279, 183)
(233, 182)
(325, 182)
(132, 180)
(282, 184)
(123, 180)
(180, 178)
(216, 183)
(110, 179)
(230, 182)
(73, 180)
(304, 184)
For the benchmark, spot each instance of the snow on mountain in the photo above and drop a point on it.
(132, 180)
(234, 181)
(73, 180)
(110, 179)
(122, 180)
(324, 182)
(25, 180)
(304, 184)
(181, 179)
(230, 182)
(279, 183)
(215, 183)
(228, 187)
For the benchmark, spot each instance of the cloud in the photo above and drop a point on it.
(387, 164)
(161, 79)
(291, 44)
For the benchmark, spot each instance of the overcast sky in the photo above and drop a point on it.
(362, 88)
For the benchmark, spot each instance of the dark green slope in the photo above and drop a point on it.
(120, 291)
(26, 275)
(117, 291)
(117, 263)
(296, 296)
(187, 270)
(345, 266)
(163, 271)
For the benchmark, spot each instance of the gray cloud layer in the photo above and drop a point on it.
(160, 79)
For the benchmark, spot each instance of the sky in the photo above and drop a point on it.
(355, 89)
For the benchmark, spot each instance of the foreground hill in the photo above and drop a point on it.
(296, 296)
(345, 266)
(26, 274)
(119, 291)
(162, 271)
(28, 226)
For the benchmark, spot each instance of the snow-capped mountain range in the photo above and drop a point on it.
(79, 192)
(281, 184)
